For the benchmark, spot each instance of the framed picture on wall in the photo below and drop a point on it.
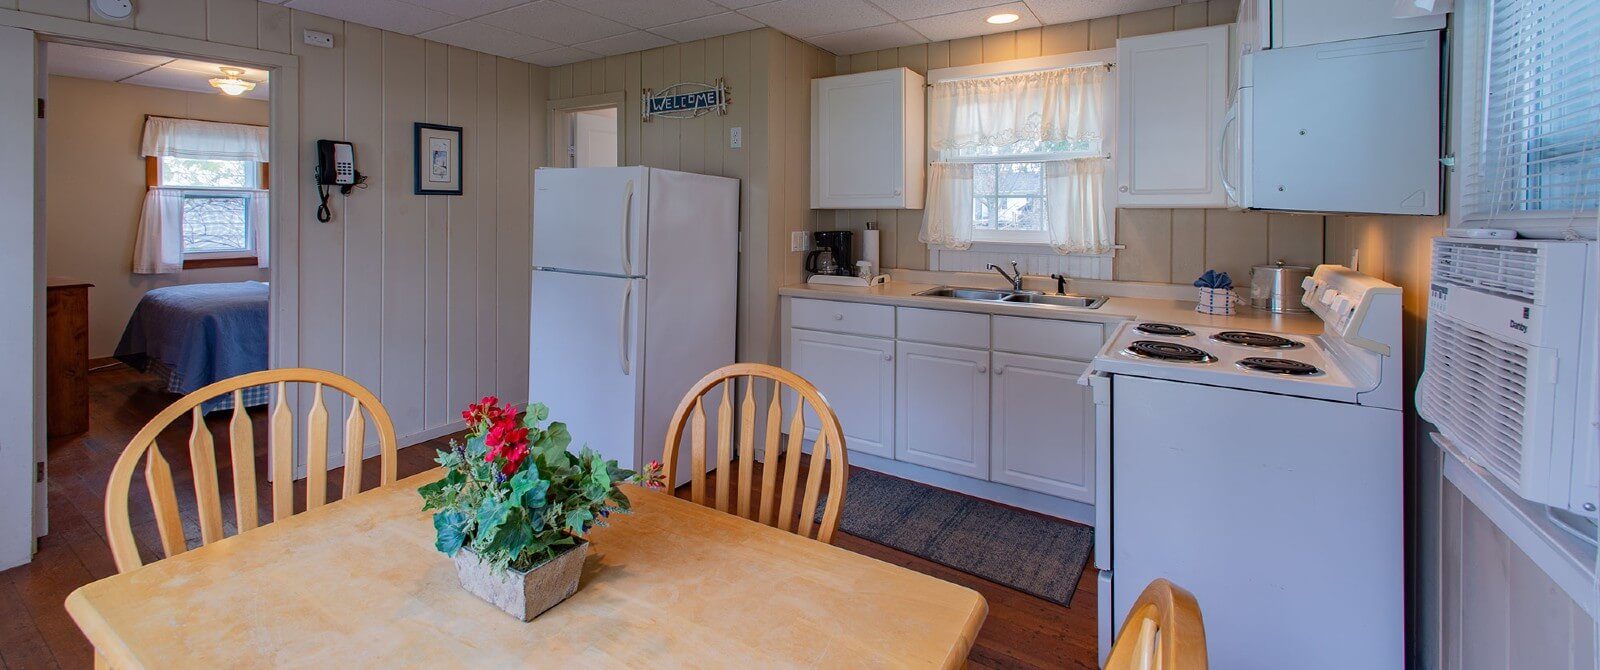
(438, 159)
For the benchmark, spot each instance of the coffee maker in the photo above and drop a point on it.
(832, 254)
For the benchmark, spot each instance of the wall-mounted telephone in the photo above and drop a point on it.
(336, 166)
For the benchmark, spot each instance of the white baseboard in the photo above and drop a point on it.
(1004, 494)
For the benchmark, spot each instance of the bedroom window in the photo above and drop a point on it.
(215, 207)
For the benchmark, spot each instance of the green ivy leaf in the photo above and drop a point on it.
(578, 520)
(492, 514)
(450, 529)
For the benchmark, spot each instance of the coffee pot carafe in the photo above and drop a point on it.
(832, 254)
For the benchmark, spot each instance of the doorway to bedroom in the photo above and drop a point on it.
(157, 174)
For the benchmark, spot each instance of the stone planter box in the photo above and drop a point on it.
(524, 595)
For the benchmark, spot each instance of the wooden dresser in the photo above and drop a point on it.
(66, 357)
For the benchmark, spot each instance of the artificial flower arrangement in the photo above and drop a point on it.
(514, 496)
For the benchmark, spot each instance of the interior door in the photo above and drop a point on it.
(591, 219)
(21, 294)
(584, 359)
(942, 408)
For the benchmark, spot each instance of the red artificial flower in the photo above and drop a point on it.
(507, 438)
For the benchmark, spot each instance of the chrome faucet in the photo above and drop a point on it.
(1015, 277)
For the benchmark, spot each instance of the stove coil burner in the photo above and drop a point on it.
(1246, 338)
(1279, 366)
(1163, 329)
(1169, 351)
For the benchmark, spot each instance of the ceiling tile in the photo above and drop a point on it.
(809, 18)
(70, 60)
(637, 40)
(887, 36)
(1063, 11)
(558, 56)
(646, 14)
(554, 22)
(740, 4)
(467, 9)
(916, 9)
(391, 15)
(726, 23)
(214, 69)
(488, 39)
(971, 22)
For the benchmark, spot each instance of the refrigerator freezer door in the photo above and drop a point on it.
(584, 359)
(591, 220)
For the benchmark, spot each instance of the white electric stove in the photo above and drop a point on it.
(1262, 472)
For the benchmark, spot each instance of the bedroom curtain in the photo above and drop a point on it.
(185, 138)
(1052, 117)
(159, 247)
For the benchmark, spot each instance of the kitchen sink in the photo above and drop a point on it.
(1015, 297)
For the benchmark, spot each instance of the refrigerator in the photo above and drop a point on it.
(635, 291)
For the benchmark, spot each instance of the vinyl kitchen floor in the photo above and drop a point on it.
(1022, 631)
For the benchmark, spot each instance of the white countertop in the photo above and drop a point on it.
(1115, 309)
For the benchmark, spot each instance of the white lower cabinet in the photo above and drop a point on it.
(856, 375)
(1042, 426)
(942, 408)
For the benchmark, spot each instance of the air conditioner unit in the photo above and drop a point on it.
(1510, 364)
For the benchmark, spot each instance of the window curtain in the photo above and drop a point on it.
(256, 211)
(1031, 116)
(159, 247)
(185, 138)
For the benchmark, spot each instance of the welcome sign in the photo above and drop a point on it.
(686, 100)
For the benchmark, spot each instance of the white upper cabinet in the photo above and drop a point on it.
(867, 140)
(1173, 91)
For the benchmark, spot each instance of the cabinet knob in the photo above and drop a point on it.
(888, 357)
(838, 317)
(1123, 188)
(982, 369)
(897, 191)
(999, 371)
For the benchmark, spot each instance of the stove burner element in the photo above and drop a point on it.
(1163, 329)
(1246, 338)
(1279, 366)
(1169, 351)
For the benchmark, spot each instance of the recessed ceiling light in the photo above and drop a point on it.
(1002, 19)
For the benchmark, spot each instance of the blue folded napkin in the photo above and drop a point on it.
(1214, 279)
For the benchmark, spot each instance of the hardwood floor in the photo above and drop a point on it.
(35, 632)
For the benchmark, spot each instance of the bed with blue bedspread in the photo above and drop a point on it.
(196, 334)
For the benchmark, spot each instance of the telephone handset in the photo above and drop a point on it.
(336, 166)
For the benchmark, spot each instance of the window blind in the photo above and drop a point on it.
(1535, 114)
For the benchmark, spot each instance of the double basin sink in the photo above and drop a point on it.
(1014, 297)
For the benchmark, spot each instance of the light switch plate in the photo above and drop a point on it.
(799, 241)
(736, 137)
(319, 39)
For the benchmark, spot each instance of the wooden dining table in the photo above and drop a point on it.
(358, 583)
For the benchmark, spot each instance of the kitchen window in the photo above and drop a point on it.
(1529, 148)
(1017, 157)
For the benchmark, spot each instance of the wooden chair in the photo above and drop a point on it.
(202, 458)
(1163, 631)
(828, 448)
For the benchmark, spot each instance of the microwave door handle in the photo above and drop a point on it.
(627, 229)
(1222, 152)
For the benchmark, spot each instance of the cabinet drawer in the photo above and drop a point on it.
(842, 317)
(1045, 337)
(937, 326)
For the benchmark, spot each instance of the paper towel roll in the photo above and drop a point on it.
(869, 249)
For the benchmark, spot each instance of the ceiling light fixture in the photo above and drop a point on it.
(230, 83)
(1002, 19)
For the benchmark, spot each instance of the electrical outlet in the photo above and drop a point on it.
(736, 137)
(799, 241)
(319, 39)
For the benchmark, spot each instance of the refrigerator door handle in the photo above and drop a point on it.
(627, 229)
(622, 332)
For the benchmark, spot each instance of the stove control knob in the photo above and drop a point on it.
(1329, 296)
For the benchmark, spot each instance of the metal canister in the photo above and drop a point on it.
(1276, 287)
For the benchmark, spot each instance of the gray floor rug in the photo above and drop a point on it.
(1034, 554)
